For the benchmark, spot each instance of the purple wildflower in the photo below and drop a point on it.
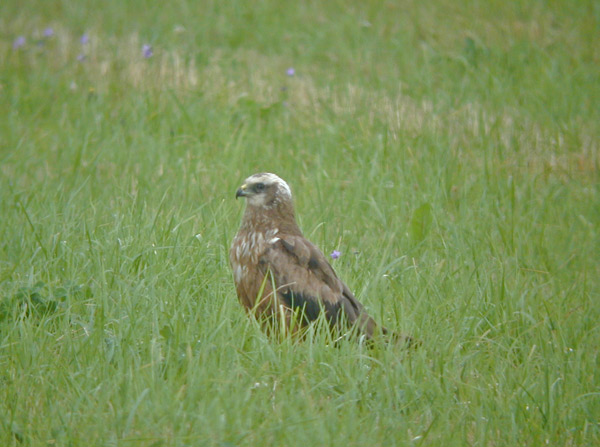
(335, 254)
(290, 71)
(84, 39)
(81, 57)
(19, 42)
(147, 51)
(48, 32)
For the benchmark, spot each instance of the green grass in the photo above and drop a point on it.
(450, 152)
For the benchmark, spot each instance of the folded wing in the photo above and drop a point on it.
(305, 281)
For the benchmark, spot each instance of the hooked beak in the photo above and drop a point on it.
(241, 192)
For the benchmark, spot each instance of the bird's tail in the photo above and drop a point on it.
(372, 332)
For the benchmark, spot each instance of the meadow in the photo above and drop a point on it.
(449, 150)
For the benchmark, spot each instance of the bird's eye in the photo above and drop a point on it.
(260, 187)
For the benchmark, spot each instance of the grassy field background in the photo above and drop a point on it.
(448, 149)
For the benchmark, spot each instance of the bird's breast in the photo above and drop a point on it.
(247, 248)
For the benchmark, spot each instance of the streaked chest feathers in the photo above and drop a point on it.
(248, 247)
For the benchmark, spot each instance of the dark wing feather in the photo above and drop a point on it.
(305, 280)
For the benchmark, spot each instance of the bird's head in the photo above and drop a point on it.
(264, 190)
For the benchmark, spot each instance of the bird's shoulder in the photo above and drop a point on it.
(298, 248)
(291, 253)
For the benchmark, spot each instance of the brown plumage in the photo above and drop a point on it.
(269, 252)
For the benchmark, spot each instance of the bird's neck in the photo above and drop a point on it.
(262, 219)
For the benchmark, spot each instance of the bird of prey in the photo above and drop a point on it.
(281, 277)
